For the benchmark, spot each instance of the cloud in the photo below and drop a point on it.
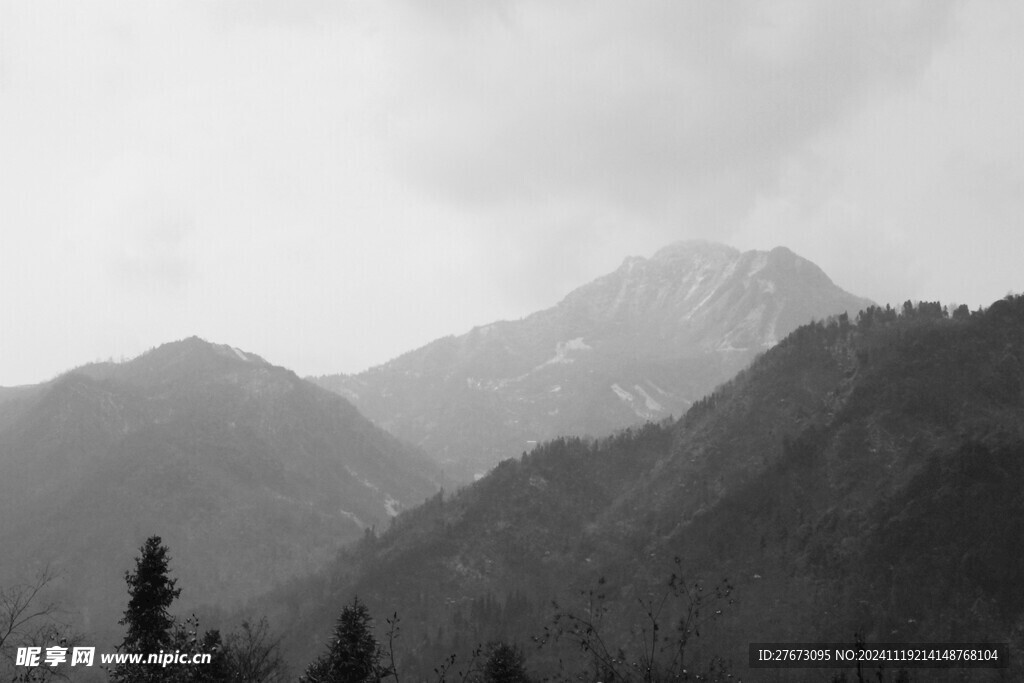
(913, 197)
(150, 247)
(364, 176)
(301, 14)
(671, 111)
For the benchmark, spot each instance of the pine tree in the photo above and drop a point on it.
(150, 626)
(353, 655)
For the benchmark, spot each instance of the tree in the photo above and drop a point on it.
(151, 591)
(504, 664)
(27, 619)
(250, 656)
(186, 641)
(253, 655)
(22, 610)
(660, 652)
(219, 667)
(353, 655)
(150, 625)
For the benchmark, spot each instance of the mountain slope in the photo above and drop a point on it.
(250, 474)
(638, 344)
(858, 478)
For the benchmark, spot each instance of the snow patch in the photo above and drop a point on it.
(757, 264)
(648, 401)
(622, 393)
(359, 523)
(727, 347)
(698, 281)
(365, 482)
(392, 505)
(700, 304)
(649, 410)
(562, 350)
(658, 389)
(576, 344)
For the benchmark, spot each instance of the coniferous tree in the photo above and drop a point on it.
(150, 626)
(218, 669)
(353, 655)
(187, 641)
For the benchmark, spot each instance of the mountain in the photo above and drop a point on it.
(861, 477)
(250, 474)
(638, 344)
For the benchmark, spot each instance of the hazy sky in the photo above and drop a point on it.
(329, 184)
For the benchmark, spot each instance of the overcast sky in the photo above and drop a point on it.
(329, 184)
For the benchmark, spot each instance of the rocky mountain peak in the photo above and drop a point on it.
(639, 343)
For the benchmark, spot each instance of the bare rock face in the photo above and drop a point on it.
(638, 344)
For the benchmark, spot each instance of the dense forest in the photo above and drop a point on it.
(862, 477)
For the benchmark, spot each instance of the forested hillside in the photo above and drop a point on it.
(252, 474)
(864, 476)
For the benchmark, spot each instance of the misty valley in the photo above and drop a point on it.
(699, 451)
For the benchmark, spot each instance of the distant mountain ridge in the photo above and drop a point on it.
(640, 343)
(251, 473)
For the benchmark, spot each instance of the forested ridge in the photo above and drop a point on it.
(864, 476)
(251, 474)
